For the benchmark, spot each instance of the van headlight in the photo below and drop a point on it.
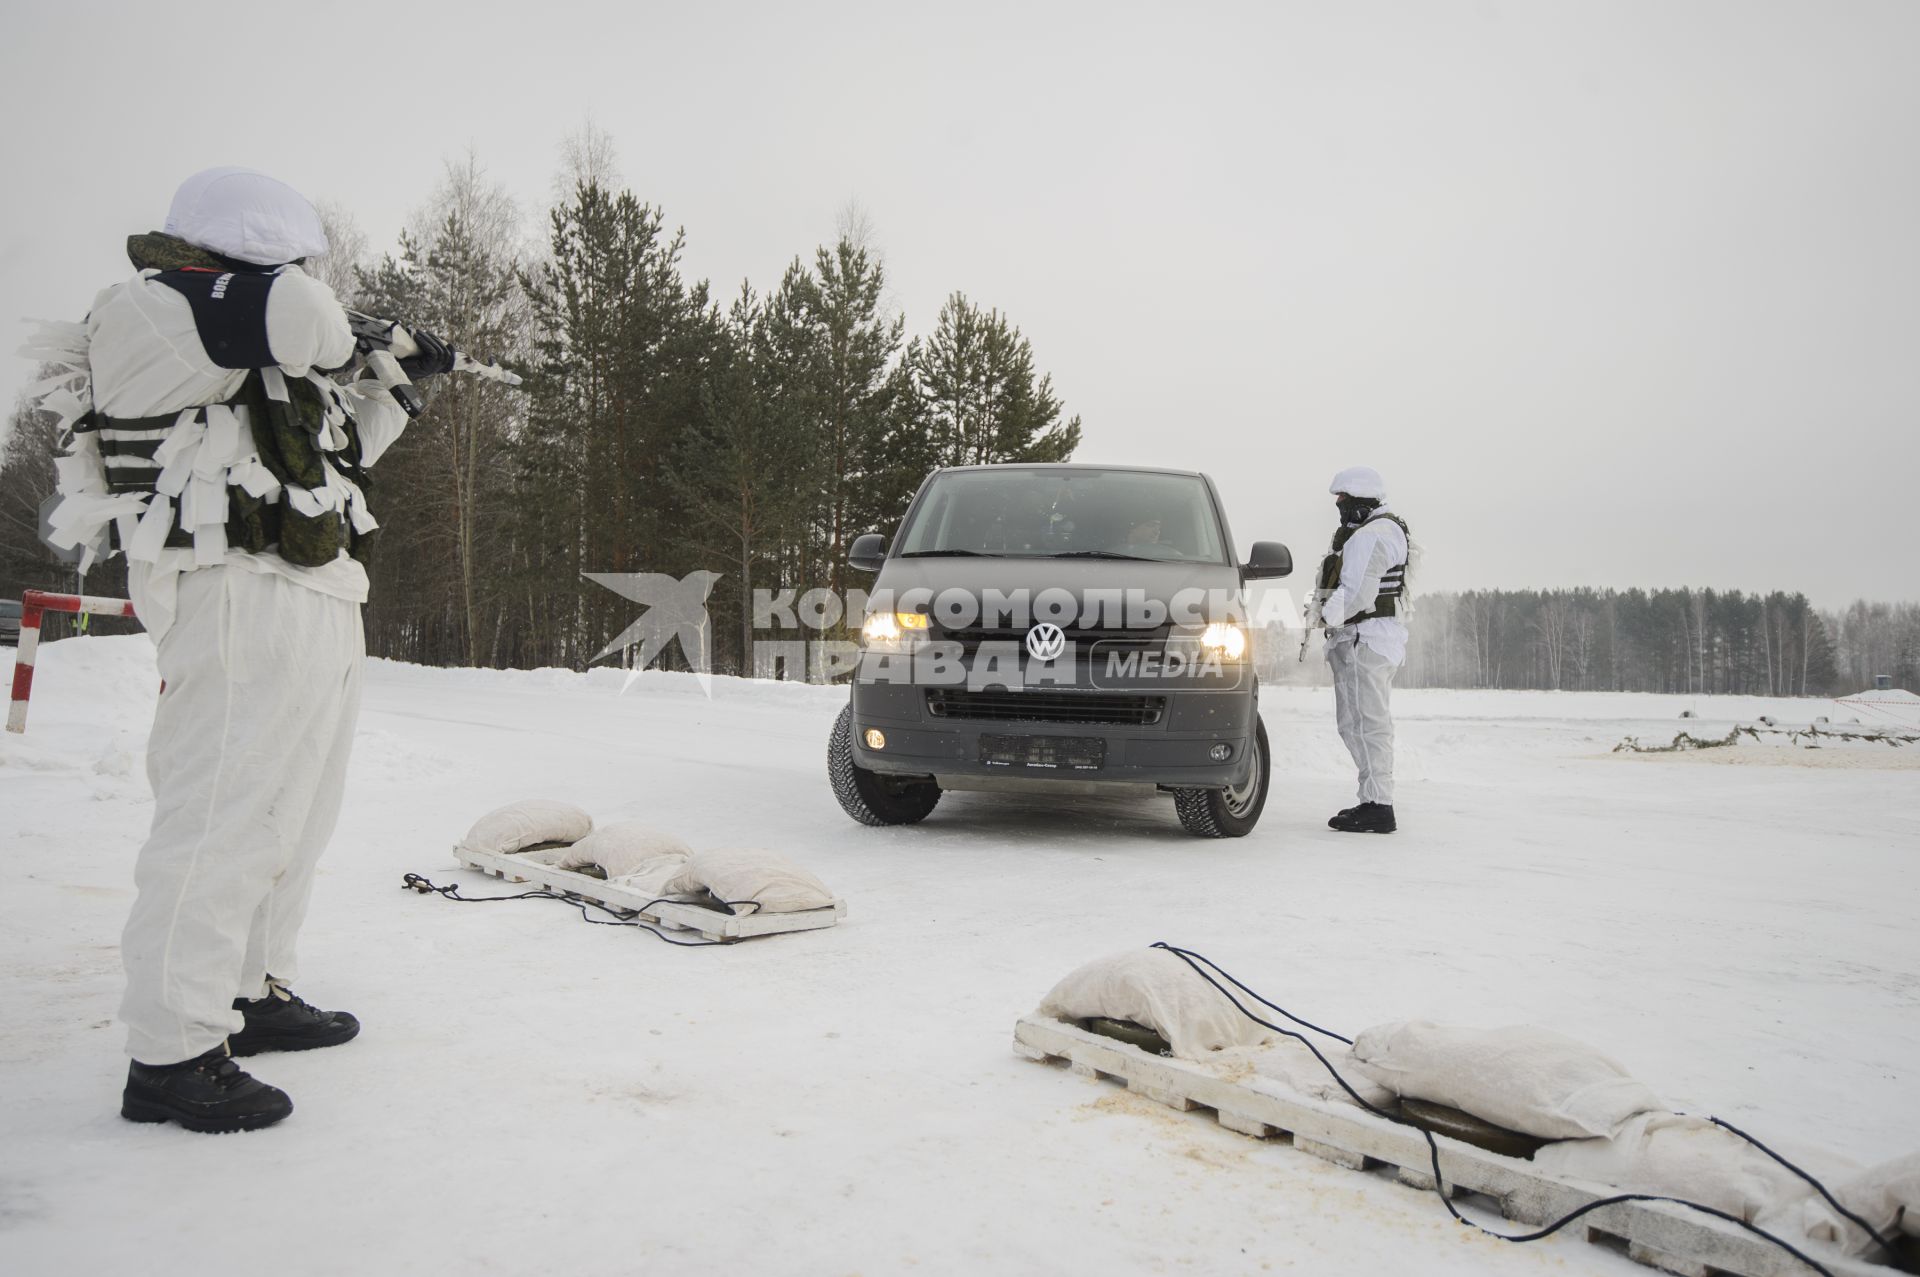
(888, 629)
(1225, 640)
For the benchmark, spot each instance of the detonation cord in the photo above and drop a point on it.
(619, 917)
(1194, 960)
(1883, 1242)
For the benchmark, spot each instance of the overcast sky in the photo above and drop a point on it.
(1613, 293)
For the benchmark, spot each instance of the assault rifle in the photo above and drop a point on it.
(1310, 620)
(384, 343)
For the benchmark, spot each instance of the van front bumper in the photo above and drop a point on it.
(1181, 750)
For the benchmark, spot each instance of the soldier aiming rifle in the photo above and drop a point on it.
(220, 412)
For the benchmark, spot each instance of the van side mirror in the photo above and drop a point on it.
(868, 552)
(1267, 559)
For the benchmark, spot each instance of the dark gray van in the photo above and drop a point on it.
(1057, 629)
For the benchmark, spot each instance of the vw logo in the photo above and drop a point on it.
(1046, 641)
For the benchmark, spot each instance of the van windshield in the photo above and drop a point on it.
(1018, 513)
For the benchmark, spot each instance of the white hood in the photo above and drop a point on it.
(239, 213)
(1360, 481)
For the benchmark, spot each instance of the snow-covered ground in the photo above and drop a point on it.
(534, 1095)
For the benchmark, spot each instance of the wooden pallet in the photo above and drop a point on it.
(1662, 1236)
(713, 924)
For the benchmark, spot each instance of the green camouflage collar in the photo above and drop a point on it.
(157, 250)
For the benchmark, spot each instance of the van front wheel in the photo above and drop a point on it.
(1234, 811)
(869, 797)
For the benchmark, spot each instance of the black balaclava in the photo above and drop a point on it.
(1354, 510)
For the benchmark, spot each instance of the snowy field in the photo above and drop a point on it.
(534, 1095)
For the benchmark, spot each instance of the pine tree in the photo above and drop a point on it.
(624, 352)
(981, 399)
(743, 470)
(855, 393)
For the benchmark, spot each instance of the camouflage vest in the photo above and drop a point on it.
(1393, 582)
(285, 433)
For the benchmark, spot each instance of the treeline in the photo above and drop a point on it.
(1699, 641)
(660, 429)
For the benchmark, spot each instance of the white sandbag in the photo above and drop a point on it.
(1522, 1077)
(750, 877)
(638, 855)
(1887, 1196)
(1291, 1067)
(527, 823)
(1155, 988)
(1686, 1157)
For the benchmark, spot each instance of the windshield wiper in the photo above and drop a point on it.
(944, 554)
(1104, 554)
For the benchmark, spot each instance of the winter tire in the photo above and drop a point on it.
(869, 797)
(1234, 811)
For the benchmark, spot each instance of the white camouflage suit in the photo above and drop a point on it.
(1364, 656)
(261, 659)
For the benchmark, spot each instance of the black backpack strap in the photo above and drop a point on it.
(230, 312)
(1391, 518)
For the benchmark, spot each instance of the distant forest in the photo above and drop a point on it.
(1659, 641)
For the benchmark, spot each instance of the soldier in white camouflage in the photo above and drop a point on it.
(219, 455)
(1362, 586)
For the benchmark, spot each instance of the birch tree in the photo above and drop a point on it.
(457, 275)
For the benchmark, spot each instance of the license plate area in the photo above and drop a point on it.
(1044, 753)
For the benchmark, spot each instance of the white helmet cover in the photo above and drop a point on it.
(1360, 481)
(240, 213)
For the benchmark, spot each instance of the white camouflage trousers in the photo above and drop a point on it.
(248, 762)
(1362, 685)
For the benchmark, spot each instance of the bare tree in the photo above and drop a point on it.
(348, 251)
(587, 158)
(457, 274)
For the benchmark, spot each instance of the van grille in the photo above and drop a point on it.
(1003, 706)
(1082, 637)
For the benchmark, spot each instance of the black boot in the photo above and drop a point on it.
(1367, 818)
(282, 1021)
(209, 1093)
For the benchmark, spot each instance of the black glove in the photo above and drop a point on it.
(435, 356)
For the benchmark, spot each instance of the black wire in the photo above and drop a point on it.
(1433, 1147)
(1818, 1187)
(1191, 956)
(621, 917)
(1188, 957)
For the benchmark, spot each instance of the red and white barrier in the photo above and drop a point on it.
(32, 605)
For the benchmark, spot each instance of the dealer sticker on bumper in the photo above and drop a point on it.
(1047, 753)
